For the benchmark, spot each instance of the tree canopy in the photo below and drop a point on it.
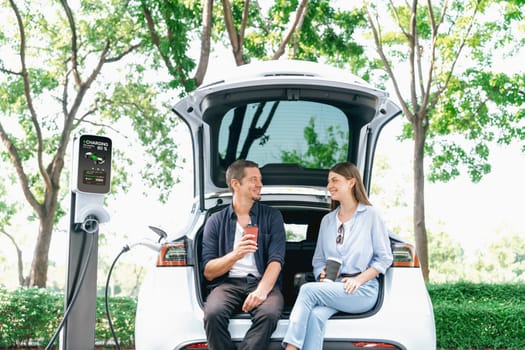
(95, 66)
(438, 56)
(68, 70)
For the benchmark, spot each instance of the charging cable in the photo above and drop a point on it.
(106, 298)
(152, 245)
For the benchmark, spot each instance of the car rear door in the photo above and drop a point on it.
(295, 118)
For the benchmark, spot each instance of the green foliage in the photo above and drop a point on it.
(319, 155)
(504, 258)
(84, 69)
(7, 209)
(28, 314)
(473, 101)
(158, 38)
(446, 257)
(33, 315)
(479, 316)
(326, 32)
(502, 262)
(172, 27)
(138, 105)
(483, 107)
(114, 29)
(122, 311)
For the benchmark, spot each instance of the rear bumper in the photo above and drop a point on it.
(169, 315)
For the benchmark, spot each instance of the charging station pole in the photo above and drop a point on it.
(79, 328)
(90, 181)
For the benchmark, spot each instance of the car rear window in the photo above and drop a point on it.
(311, 134)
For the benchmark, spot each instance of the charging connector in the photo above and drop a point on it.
(90, 224)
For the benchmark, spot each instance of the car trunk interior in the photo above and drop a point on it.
(300, 248)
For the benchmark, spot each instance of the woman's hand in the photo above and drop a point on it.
(352, 284)
(322, 275)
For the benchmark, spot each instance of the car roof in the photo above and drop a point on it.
(261, 70)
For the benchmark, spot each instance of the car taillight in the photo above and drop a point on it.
(196, 346)
(373, 345)
(175, 254)
(404, 255)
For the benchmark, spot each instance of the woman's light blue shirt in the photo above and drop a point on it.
(366, 243)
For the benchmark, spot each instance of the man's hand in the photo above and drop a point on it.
(253, 300)
(265, 286)
(245, 246)
(219, 266)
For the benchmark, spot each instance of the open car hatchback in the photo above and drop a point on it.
(295, 119)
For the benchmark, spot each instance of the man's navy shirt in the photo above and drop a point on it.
(219, 235)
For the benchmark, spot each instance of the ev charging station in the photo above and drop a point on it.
(90, 182)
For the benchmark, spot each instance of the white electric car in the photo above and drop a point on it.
(295, 119)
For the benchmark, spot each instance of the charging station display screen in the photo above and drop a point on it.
(94, 164)
(94, 177)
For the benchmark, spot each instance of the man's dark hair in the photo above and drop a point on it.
(236, 170)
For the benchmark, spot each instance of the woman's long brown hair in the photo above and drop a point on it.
(349, 171)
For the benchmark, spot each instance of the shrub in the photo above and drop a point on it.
(122, 312)
(479, 316)
(30, 316)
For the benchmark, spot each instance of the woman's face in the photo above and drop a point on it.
(339, 186)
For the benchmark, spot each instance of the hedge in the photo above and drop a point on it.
(30, 317)
(479, 316)
(468, 316)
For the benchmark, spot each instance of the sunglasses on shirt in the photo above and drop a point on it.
(340, 234)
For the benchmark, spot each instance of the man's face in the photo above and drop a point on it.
(250, 185)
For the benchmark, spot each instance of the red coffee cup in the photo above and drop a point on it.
(253, 230)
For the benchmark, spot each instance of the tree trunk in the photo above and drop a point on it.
(22, 280)
(420, 231)
(41, 253)
(207, 16)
